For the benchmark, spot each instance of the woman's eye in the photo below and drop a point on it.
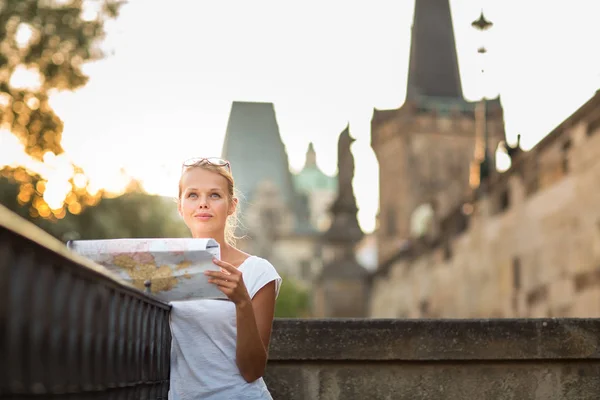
(192, 195)
(215, 195)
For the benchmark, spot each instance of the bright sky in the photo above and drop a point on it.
(166, 91)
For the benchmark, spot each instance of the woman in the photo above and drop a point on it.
(219, 348)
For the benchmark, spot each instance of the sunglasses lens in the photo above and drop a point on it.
(219, 162)
(216, 161)
(192, 161)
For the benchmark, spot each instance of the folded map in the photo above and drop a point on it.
(170, 269)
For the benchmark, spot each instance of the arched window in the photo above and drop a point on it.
(390, 222)
(421, 220)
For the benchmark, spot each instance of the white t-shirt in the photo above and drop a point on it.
(203, 343)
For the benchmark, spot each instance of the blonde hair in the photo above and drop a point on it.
(232, 220)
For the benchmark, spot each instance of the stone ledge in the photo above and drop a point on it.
(435, 340)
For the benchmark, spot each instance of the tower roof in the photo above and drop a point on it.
(433, 69)
(254, 147)
(257, 154)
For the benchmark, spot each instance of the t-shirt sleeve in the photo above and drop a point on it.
(259, 274)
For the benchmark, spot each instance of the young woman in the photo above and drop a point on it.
(219, 348)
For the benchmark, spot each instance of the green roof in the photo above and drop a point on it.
(311, 178)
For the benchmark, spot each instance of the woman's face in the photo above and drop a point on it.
(204, 203)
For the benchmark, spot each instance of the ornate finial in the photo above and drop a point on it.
(513, 150)
(481, 23)
(311, 156)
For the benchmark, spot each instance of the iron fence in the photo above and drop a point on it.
(68, 331)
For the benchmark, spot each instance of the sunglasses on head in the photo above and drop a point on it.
(198, 161)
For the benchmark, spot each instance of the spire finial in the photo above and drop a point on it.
(482, 24)
(482, 151)
(311, 156)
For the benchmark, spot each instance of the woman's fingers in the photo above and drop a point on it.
(223, 283)
(222, 275)
(229, 281)
(226, 266)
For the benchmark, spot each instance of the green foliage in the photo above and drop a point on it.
(26, 189)
(59, 42)
(132, 215)
(49, 41)
(293, 300)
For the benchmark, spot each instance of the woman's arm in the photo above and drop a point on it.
(254, 319)
(254, 324)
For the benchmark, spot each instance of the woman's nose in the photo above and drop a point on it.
(203, 202)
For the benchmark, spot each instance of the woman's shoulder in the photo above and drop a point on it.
(244, 260)
(257, 262)
(258, 272)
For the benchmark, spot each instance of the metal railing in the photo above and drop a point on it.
(70, 331)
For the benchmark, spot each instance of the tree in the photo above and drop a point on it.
(48, 42)
(293, 300)
(132, 215)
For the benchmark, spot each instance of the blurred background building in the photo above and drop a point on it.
(282, 214)
(521, 243)
(467, 225)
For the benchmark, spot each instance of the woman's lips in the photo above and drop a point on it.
(203, 216)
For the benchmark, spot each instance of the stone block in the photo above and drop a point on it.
(548, 359)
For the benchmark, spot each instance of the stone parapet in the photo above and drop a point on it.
(435, 359)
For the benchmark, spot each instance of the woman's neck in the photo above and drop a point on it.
(220, 238)
(228, 252)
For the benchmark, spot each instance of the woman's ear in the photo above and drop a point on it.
(232, 206)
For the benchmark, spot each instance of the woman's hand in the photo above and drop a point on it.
(229, 281)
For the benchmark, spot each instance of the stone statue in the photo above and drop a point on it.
(340, 266)
(345, 168)
(344, 224)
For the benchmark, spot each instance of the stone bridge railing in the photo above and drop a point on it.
(70, 331)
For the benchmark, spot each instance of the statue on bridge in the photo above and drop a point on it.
(345, 168)
(340, 240)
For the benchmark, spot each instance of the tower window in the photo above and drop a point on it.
(504, 200)
(516, 273)
(391, 222)
(565, 156)
(593, 127)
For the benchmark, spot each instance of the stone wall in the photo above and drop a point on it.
(531, 247)
(545, 359)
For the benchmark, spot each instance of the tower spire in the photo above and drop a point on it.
(253, 129)
(311, 156)
(433, 69)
